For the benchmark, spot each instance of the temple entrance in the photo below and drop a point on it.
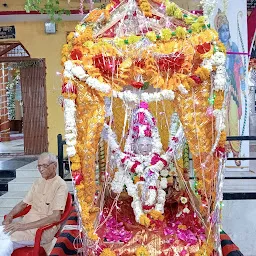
(23, 111)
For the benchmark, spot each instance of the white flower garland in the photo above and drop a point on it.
(72, 70)
(70, 126)
(218, 59)
(130, 97)
(208, 6)
(97, 85)
(220, 115)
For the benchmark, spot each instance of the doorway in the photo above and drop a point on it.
(23, 110)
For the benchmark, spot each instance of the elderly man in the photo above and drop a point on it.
(47, 198)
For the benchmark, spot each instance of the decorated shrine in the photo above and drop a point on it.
(143, 84)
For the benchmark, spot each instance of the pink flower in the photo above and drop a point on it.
(147, 132)
(183, 252)
(144, 105)
(141, 118)
(155, 159)
(175, 139)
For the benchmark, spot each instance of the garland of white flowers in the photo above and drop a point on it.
(218, 60)
(71, 71)
(10, 95)
(130, 97)
(70, 126)
(208, 7)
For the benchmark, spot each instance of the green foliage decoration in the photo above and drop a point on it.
(49, 7)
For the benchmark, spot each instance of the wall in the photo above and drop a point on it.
(41, 45)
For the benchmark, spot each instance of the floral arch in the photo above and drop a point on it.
(159, 57)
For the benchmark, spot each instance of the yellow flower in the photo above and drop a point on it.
(136, 179)
(151, 36)
(182, 227)
(144, 220)
(205, 250)
(107, 252)
(126, 64)
(201, 20)
(92, 236)
(170, 8)
(75, 166)
(181, 32)
(156, 215)
(88, 44)
(166, 34)
(70, 36)
(142, 251)
(203, 73)
(196, 27)
(178, 14)
(189, 20)
(133, 39)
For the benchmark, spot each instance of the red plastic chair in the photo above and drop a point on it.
(38, 250)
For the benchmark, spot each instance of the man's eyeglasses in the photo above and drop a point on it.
(43, 166)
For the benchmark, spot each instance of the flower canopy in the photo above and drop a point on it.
(145, 51)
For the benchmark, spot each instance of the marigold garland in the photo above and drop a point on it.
(145, 7)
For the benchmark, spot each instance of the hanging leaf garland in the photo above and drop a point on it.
(49, 7)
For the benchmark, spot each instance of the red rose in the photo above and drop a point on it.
(140, 63)
(76, 54)
(107, 64)
(203, 48)
(78, 177)
(197, 79)
(137, 85)
(69, 88)
(220, 151)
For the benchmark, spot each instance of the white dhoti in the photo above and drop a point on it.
(7, 246)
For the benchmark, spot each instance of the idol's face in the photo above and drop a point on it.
(143, 146)
(224, 33)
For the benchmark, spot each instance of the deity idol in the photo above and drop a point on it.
(142, 169)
